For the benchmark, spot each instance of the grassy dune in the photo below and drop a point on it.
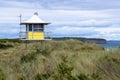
(57, 60)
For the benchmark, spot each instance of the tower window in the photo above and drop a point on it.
(30, 27)
(37, 27)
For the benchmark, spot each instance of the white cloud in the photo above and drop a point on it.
(18, 4)
(55, 16)
(67, 30)
(91, 32)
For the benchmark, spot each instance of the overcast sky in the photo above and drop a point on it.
(83, 18)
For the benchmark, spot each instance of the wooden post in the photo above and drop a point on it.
(41, 45)
(26, 45)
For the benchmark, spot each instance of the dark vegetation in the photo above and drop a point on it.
(87, 40)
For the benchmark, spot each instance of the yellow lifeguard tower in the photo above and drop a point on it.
(34, 29)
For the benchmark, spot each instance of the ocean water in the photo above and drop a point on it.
(111, 45)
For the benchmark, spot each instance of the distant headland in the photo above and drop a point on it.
(86, 40)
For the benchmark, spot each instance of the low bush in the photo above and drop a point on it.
(22, 78)
(28, 58)
(5, 46)
(44, 76)
(2, 76)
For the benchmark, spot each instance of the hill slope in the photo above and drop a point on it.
(57, 60)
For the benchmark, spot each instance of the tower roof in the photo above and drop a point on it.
(35, 20)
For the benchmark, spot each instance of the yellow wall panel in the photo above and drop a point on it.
(36, 35)
(30, 35)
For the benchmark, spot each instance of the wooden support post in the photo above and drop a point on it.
(26, 45)
(41, 46)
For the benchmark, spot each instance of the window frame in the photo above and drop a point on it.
(36, 27)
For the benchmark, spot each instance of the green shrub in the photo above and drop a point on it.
(42, 76)
(10, 40)
(83, 77)
(32, 56)
(28, 58)
(95, 76)
(3, 41)
(45, 52)
(65, 69)
(2, 76)
(5, 46)
(22, 78)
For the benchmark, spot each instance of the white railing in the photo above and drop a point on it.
(47, 35)
(23, 35)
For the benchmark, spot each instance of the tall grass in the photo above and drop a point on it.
(58, 60)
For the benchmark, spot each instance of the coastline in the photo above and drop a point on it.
(111, 45)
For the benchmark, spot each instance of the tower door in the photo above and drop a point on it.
(36, 32)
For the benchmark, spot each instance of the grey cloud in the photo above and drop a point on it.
(72, 4)
(80, 4)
